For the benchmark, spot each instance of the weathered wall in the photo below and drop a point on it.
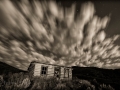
(66, 74)
(37, 69)
(62, 73)
(50, 71)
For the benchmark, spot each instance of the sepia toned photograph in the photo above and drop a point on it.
(59, 45)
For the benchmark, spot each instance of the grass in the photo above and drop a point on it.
(20, 81)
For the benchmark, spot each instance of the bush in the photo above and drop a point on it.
(16, 81)
(44, 84)
(77, 84)
(106, 87)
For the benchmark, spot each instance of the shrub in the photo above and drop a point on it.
(77, 84)
(106, 87)
(25, 83)
(44, 84)
(16, 81)
(86, 85)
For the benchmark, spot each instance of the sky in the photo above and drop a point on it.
(70, 33)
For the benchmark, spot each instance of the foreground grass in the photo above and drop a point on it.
(19, 81)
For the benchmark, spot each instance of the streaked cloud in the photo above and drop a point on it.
(50, 33)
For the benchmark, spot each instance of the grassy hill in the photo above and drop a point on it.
(5, 69)
(106, 76)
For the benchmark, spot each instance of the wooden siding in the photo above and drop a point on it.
(66, 73)
(62, 73)
(50, 71)
(37, 69)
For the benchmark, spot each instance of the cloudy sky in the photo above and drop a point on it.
(69, 33)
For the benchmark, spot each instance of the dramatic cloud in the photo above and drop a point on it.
(47, 32)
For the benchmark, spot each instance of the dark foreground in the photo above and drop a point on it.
(83, 79)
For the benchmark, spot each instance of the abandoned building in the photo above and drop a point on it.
(37, 69)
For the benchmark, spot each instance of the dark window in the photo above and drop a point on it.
(44, 70)
(57, 72)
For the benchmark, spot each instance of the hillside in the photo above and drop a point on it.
(106, 76)
(5, 69)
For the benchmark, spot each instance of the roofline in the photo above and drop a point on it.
(53, 64)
